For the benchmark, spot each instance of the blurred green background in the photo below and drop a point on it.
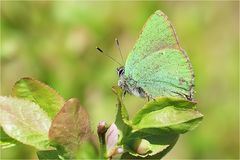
(55, 42)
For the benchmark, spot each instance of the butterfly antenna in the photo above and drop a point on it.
(100, 50)
(119, 49)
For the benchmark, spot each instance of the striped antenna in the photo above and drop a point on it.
(101, 51)
(119, 49)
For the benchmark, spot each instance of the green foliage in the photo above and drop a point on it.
(25, 121)
(160, 103)
(5, 145)
(167, 115)
(122, 118)
(154, 130)
(157, 143)
(47, 98)
(87, 151)
(5, 140)
(159, 155)
(48, 154)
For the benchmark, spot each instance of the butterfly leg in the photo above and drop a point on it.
(187, 97)
(153, 98)
(149, 97)
(124, 94)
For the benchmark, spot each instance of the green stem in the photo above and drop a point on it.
(102, 147)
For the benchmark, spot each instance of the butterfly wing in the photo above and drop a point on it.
(157, 63)
(165, 73)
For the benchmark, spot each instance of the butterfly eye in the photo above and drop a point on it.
(120, 71)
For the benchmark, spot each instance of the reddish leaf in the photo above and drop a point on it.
(70, 127)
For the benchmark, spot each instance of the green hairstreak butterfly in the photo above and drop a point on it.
(157, 65)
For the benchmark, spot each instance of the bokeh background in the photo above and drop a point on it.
(55, 42)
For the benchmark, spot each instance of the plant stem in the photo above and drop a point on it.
(102, 129)
(102, 147)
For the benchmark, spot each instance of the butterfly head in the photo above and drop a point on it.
(120, 71)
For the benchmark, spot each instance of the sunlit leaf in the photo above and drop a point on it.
(70, 127)
(155, 129)
(167, 114)
(24, 121)
(160, 103)
(47, 98)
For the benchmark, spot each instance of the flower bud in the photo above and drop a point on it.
(111, 139)
(102, 128)
(141, 146)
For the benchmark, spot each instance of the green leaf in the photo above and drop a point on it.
(5, 145)
(24, 121)
(5, 140)
(141, 144)
(156, 127)
(128, 155)
(167, 114)
(70, 127)
(87, 150)
(48, 154)
(124, 114)
(47, 98)
(170, 119)
(160, 103)
(122, 118)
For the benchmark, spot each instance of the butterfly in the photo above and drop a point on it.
(157, 65)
